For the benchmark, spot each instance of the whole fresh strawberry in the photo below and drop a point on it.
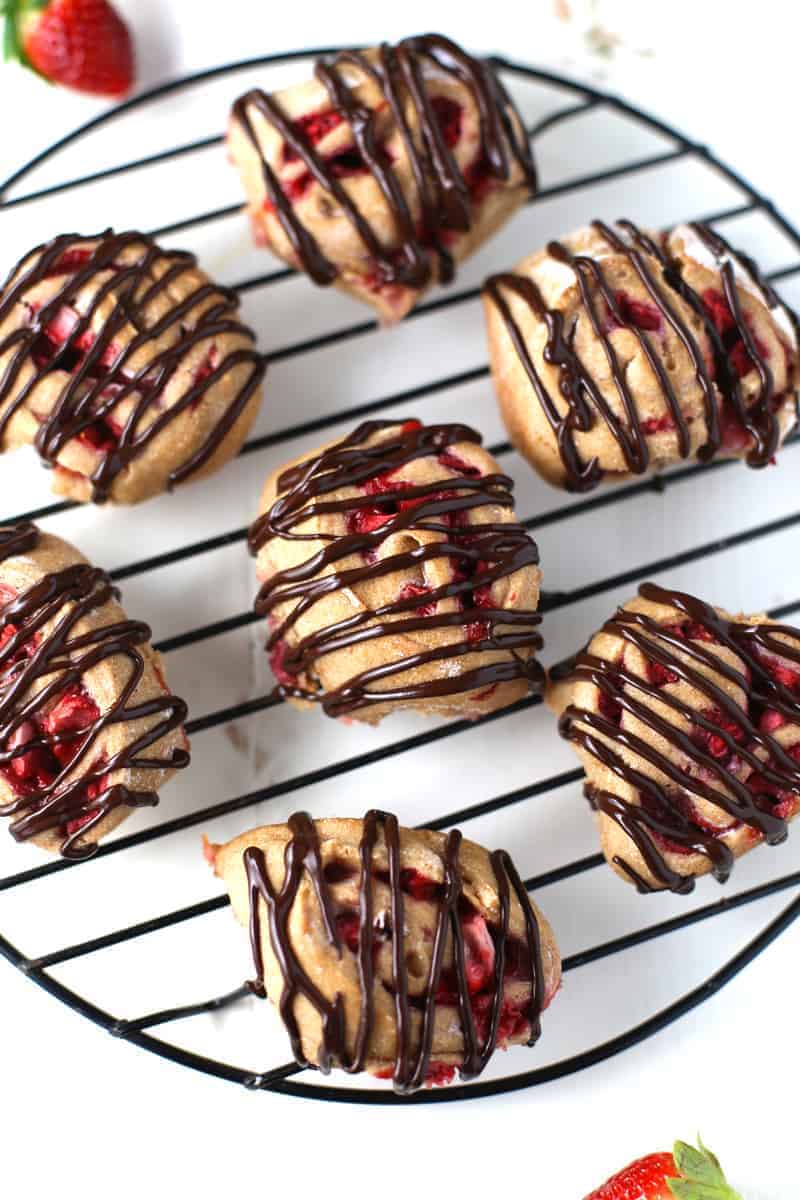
(686, 1174)
(83, 44)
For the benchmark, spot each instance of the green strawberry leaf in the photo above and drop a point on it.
(702, 1177)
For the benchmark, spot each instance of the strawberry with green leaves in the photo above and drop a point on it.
(686, 1174)
(82, 44)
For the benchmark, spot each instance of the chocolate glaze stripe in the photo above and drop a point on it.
(134, 287)
(303, 857)
(442, 192)
(58, 662)
(490, 551)
(749, 644)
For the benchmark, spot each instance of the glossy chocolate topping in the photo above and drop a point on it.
(303, 855)
(445, 203)
(664, 818)
(98, 380)
(479, 555)
(38, 666)
(584, 400)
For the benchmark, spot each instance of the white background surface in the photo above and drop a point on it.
(83, 1112)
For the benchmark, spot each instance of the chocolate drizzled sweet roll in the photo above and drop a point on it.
(406, 953)
(124, 365)
(395, 574)
(88, 728)
(618, 351)
(385, 170)
(687, 721)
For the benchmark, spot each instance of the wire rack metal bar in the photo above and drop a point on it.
(279, 1078)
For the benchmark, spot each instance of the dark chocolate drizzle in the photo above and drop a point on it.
(134, 287)
(627, 691)
(60, 660)
(442, 190)
(585, 402)
(491, 550)
(303, 854)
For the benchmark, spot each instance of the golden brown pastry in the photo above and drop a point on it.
(617, 351)
(88, 728)
(395, 575)
(385, 170)
(406, 953)
(124, 365)
(687, 721)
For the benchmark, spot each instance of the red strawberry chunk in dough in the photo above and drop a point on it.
(718, 309)
(660, 675)
(347, 926)
(438, 1074)
(779, 801)
(638, 313)
(417, 885)
(277, 657)
(455, 463)
(366, 520)
(657, 425)
(479, 954)
(75, 711)
(415, 589)
(712, 743)
(314, 127)
(783, 674)
(449, 114)
(69, 263)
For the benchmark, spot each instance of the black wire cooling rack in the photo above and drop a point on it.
(137, 1030)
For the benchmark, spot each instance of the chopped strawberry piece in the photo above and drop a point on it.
(782, 674)
(277, 657)
(477, 631)
(657, 425)
(449, 114)
(660, 675)
(76, 711)
(609, 708)
(438, 1074)
(479, 954)
(514, 1020)
(69, 263)
(638, 313)
(73, 827)
(415, 589)
(712, 743)
(385, 483)
(366, 520)
(780, 802)
(314, 127)
(419, 886)
(347, 926)
(771, 720)
(455, 463)
(411, 426)
(718, 309)
(480, 179)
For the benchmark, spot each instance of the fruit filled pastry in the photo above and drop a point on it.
(384, 170)
(617, 351)
(124, 365)
(88, 728)
(406, 953)
(687, 721)
(395, 575)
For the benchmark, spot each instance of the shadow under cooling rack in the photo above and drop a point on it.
(583, 101)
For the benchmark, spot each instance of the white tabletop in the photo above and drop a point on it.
(85, 1111)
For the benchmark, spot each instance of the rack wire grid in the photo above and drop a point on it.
(141, 927)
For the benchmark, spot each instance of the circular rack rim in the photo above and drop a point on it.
(279, 1079)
